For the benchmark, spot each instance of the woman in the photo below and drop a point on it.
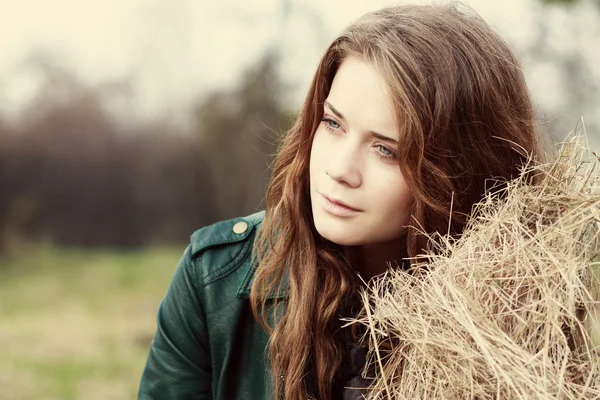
(413, 110)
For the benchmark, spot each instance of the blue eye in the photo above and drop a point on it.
(334, 124)
(385, 151)
(331, 124)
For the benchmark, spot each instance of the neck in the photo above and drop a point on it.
(375, 259)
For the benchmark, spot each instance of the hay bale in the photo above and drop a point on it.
(504, 312)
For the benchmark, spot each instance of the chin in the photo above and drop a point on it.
(337, 236)
(342, 240)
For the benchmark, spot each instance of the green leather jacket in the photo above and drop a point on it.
(207, 343)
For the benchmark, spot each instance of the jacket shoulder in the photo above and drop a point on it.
(223, 246)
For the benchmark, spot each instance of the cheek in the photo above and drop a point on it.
(394, 198)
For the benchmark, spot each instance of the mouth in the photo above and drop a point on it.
(338, 208)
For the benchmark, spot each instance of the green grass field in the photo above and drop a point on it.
(78, 324)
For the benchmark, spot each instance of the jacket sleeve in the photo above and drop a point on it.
(178, 366)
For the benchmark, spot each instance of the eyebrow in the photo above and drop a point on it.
(374, 134)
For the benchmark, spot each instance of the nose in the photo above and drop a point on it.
(344, 166)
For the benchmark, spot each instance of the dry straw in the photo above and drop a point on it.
(507, 310)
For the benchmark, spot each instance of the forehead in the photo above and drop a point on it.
(359, 92)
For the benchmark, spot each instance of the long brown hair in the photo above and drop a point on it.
(466, 118)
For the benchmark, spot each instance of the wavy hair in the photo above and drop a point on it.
(466, 118)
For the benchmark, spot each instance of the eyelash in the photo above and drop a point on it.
(328, 121)
(385, 157)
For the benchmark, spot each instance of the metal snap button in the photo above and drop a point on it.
(240, 227)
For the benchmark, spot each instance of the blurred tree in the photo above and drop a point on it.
(6, 139)
(239, 132)
(71, 174)
(577, 72)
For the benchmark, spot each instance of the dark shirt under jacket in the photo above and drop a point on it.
(353, 381)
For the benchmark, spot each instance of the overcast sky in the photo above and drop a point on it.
(174, 50)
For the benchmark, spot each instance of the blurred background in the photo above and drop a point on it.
(125, 125)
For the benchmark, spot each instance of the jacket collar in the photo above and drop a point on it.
(250, 264)
(244, 288)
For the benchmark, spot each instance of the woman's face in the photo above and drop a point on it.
(358, 195)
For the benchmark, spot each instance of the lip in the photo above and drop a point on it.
(338, 208)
